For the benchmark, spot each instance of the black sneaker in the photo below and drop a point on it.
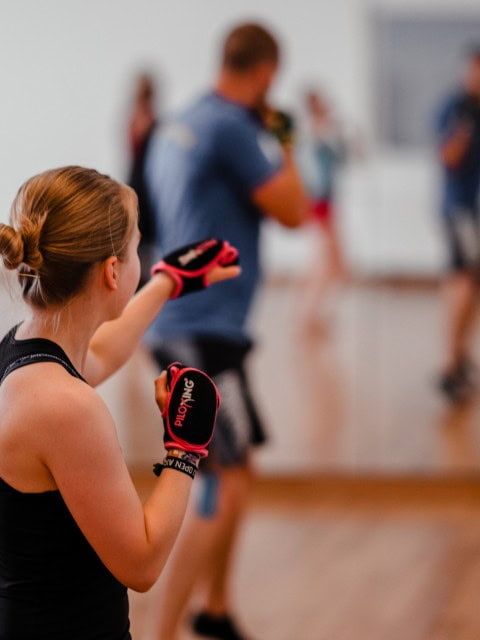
(221, 627)
(453, 388)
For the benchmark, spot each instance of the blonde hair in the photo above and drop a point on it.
(62, 222)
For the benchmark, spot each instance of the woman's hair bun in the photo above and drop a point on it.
(30, 232)
(11, 247)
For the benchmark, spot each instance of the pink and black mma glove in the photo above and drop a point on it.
(189, 265)
(191, 409)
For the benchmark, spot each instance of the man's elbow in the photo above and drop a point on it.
(292, 223)
(296, 215)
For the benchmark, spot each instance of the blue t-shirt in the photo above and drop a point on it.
(201, 170)
(461, 184)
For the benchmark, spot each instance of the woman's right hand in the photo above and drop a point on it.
(189, 401)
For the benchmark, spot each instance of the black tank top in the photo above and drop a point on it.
(53, 586)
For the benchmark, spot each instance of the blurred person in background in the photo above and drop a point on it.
(321, 151)
(142, 122)
(458, 133)
(217, 169)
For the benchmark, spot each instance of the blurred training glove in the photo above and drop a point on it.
(281, 125)
(189, 265)
(190, 411)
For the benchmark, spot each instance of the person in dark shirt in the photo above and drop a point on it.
(458, 134)
(142, 123)
(73, 531)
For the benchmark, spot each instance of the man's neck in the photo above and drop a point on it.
(236, 88)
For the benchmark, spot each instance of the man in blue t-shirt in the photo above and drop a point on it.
(458, 132)
(216, 170)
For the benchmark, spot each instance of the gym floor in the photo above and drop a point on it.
(364, 522)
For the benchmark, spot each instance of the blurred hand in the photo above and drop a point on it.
(217, 274)
(279, 123)
(455, 148)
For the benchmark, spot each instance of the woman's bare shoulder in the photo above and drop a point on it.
(46, 413)
(45, 393)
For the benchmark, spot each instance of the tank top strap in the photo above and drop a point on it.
(31, 358)
(15, 354)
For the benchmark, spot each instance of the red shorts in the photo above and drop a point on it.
(322, 211)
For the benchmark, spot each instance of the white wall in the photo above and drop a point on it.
(66, 70)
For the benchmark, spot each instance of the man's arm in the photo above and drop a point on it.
(454, 148)
(263, 168)
(283, 197)
(454, 132)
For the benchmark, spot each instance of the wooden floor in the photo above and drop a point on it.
(362, 399)
(337, 562)
(365, 519)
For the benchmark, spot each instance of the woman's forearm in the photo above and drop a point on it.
(114, 342)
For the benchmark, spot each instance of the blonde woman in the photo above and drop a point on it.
(74, 534)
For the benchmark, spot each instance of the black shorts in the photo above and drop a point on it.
(238, 425)
(462, 227)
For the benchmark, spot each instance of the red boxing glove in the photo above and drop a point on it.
(189, 265)
(191, 410)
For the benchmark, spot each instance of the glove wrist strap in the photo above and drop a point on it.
(187, 456)
(177, 464)
(180, 461)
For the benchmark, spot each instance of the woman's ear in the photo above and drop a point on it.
(110, 272)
